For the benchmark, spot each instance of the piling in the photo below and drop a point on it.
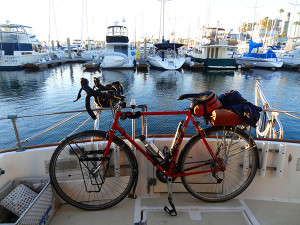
(69, 47)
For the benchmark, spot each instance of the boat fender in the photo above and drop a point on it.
(138, 55)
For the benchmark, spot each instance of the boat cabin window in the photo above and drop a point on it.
(14, 38)
(121, 48)
(8, 38)
(117, 31)
(212, 53)
(23, 38)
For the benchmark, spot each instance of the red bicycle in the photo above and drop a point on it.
(95, 169)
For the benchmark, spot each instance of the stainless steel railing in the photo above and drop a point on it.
(269, 125)
(20, 143)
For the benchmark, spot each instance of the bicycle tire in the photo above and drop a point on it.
(73, 162)
(241, 165)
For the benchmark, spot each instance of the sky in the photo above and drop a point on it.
(83, 19)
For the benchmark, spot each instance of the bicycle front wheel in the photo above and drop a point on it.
(77, 178)
(234, 149)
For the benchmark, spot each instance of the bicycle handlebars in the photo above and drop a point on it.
(102, 92)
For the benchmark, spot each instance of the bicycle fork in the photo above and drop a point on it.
(171, 211)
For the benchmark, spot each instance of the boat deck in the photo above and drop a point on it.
(149, 210)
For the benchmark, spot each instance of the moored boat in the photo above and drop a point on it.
(18, 46)
(267, 59)
(212, 50)
(167, 56)
(291, 55)
(117, 53)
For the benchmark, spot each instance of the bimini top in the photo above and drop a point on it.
(117, 34)
(164, 45)
(14, 28)
(16, 37)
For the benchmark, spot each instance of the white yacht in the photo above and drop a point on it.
(18, 46)
(291, 55)
(167, 56)
(117, 53)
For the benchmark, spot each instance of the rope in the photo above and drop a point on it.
(270, 125)
(267, 129)
(292, 116)
(285, 112)
(30, 139)
(77, 128)
(281, 111)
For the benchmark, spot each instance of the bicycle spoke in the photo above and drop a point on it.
(233, 151)
(74, 176)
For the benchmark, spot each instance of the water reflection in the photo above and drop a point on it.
(219, 72)
(20, 84)
(166, 81)
(54, 90)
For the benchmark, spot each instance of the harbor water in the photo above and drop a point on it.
(54, 90)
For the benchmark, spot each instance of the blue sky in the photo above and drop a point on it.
(83, 18)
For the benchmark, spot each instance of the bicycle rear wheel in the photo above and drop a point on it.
(73, 176)
(235, 150)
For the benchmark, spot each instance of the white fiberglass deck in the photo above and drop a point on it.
(272, 198)
(149, 210)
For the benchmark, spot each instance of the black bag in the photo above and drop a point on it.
(114, 88)
(233, 100)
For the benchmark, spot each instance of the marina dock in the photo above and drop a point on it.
(142, 65)
(49, 64)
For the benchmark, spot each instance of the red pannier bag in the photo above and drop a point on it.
(209, 104)
(224, 117)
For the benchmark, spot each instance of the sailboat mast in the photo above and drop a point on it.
(254, 18)
(162, 16)
(163, 34)
(49, 24)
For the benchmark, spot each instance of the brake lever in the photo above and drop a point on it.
(78, 96)
(84, 83)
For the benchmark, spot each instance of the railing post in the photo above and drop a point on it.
(144, 120)
(256, 94)
(133, 105)
(13, 120)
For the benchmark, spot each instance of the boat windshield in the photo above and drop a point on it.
(117, 31)
(12, 37)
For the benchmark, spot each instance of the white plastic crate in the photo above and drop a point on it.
(19, 199)
(40, 210)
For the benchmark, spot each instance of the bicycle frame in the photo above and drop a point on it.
(115, 127)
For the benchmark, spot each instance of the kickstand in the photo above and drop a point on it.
(171, 211)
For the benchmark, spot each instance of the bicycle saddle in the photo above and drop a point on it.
(202, 96)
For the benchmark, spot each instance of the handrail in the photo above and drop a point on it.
(269, 126)
(20, 142)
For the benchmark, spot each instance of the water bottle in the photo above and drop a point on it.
(175, 144)
(151, 147)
